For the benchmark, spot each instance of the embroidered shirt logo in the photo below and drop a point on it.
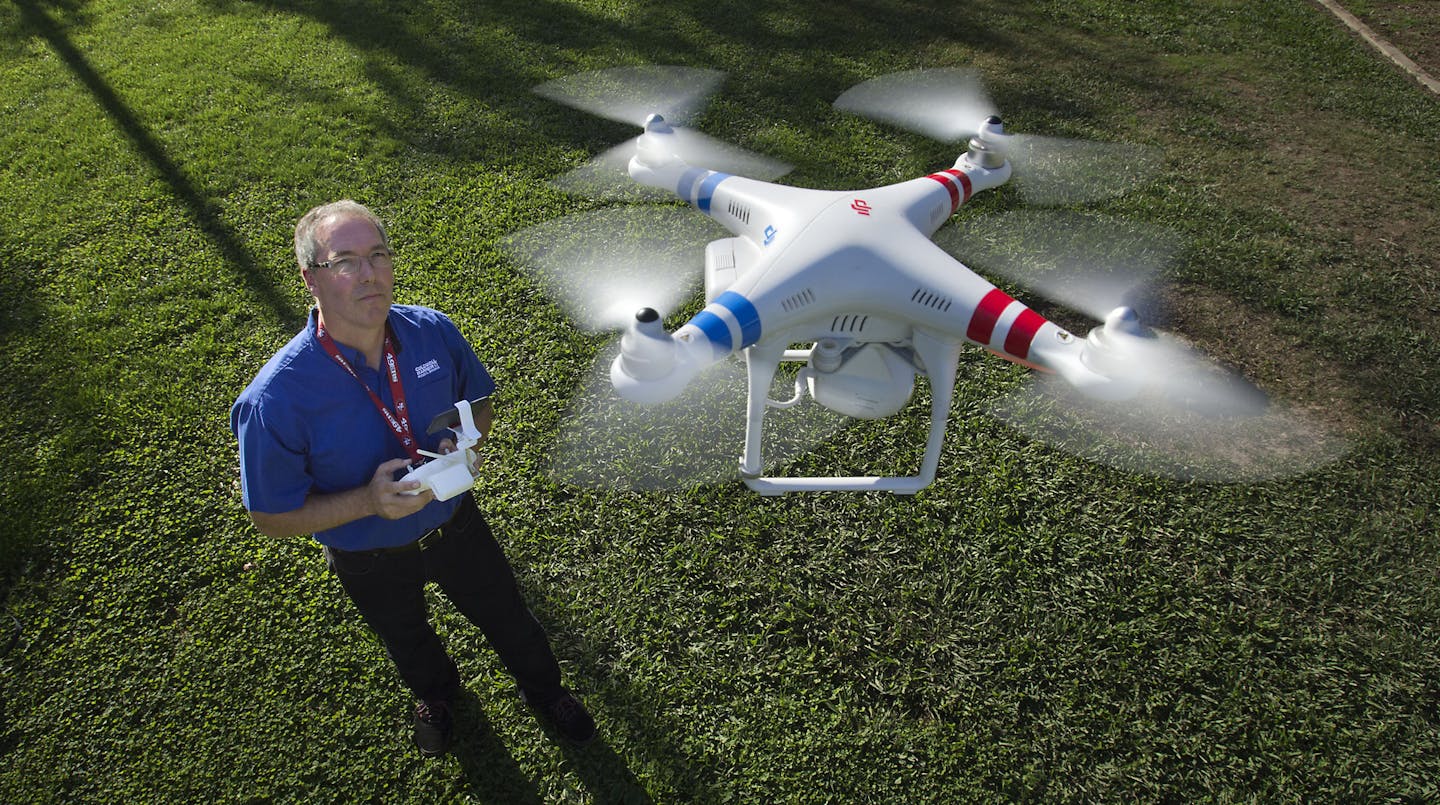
(427, 367)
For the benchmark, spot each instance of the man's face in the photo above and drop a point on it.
(356, 303)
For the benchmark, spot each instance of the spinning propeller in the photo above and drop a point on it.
(602, 266)
(631, 95)
(612, 443)
(1190, 417)
(950, 104)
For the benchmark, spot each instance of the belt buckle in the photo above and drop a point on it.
(428, 538)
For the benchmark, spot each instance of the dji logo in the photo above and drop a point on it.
(860, 206)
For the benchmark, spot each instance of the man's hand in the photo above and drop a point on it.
(447, 446)
(387, 496)
(383, 497)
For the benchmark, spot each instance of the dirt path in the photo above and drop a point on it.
(1410, 29)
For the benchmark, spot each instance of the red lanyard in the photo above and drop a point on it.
(399, 420)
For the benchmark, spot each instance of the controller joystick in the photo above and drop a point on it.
(449, 474)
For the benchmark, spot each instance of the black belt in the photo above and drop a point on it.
(426, 540)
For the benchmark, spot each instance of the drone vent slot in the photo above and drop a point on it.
(798, 301)
(740, 212)
(930, 300)
(848, 324)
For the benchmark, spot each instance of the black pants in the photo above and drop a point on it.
(469, 567)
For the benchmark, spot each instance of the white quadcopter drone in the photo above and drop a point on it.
(853, 275)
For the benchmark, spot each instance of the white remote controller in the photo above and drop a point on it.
(448, 474)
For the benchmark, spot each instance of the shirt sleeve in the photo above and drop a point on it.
(273, 470)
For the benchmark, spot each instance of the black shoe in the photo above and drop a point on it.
(568, 716)
(433, 727)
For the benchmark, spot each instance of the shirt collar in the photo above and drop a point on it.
(352, 354)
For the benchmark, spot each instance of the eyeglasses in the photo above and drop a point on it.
(349, 265)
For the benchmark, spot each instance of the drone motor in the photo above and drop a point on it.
(1112, 350)
(987, 148)
(646, 350)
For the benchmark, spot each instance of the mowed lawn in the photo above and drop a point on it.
(1033, 626)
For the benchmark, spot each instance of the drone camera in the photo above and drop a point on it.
(869, 381)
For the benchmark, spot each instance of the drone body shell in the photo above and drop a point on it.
(811, 264)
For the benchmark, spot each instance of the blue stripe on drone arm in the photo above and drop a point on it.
(745, 315)
(687, 183)
(716, 330)
(707, 190)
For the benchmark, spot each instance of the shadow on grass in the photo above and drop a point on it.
(200, 209)
(490, 769)
(492, 774)
(635, 715)
(54, 408)
(498, 51)
(57, 403)
(603, 774)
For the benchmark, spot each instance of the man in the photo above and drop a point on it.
(330, 423)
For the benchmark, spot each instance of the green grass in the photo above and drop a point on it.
(1032, 626)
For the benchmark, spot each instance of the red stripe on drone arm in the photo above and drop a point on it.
(1022, 332)
(982, 323)
(950, 187)
(964, 180)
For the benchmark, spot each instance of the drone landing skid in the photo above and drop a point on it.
(940, 357)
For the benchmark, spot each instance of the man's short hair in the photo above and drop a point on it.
(306, 248)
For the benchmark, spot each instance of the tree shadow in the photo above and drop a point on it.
(201, 210)
(55, 408)
(497, 51)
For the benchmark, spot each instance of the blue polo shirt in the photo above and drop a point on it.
(306, 426)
